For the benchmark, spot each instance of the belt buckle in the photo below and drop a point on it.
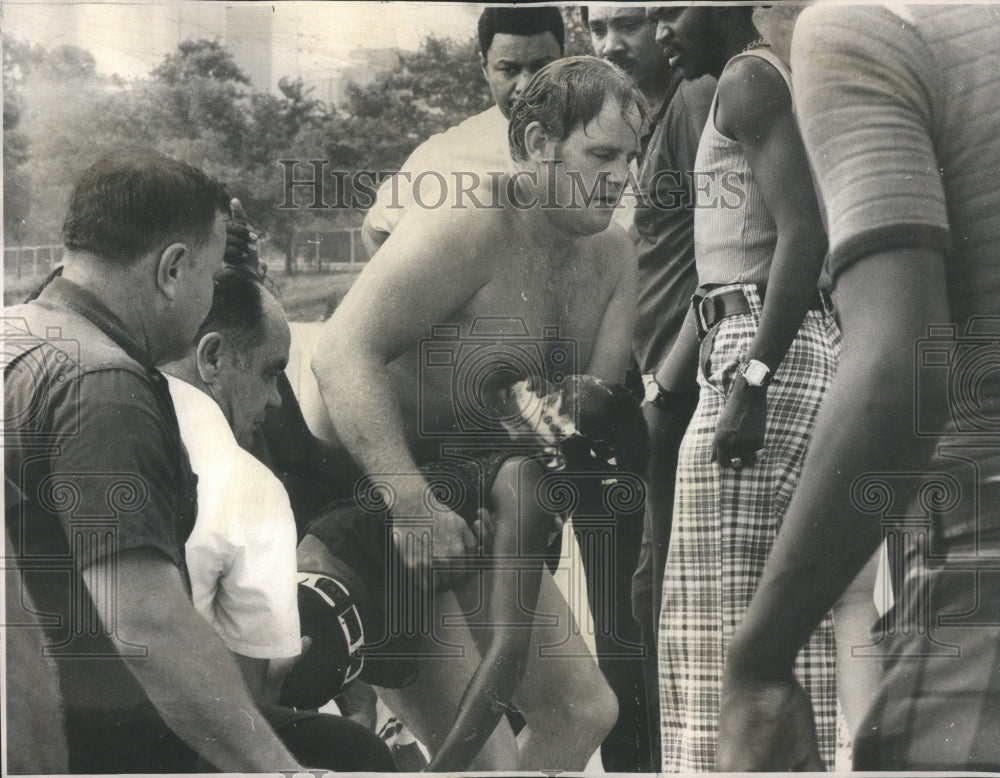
(696, 301)
(699, 313)
(825, 302)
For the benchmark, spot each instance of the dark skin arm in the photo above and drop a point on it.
(264, 677)
(885, 302)
(513, 594)
(755, 108)
(357, 703)
(678, 374)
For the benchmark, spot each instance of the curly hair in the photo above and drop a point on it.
(567, 94)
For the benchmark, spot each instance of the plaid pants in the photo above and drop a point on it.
(937, 707)
(723, 528)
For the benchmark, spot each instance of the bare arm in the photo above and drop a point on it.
(395, 197)
(357, 702)
(423, 275)
(885, 303)
(372, 237)
(188, 673)
(254, 676)
(755, 108)
(264, 677)
(679, 371)
(513, 595)
(613, 344)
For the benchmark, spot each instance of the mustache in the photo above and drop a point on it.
(622, 61)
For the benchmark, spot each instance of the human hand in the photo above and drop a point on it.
(241, 240)
(739, 433)
(667, 425)
(278, 669)
(765, 725)
(357, 702)
(484, 528)
(451, 540)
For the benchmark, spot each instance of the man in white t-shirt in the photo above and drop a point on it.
(514, 44)
(241, 555)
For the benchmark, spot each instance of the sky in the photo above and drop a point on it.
(132, 37)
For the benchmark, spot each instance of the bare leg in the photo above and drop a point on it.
(564, 698)
(428, 705)
(566, 703)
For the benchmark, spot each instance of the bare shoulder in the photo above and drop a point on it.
(467, 234)
(752, 93)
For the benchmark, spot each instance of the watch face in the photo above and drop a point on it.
(756, 373)
(652, 391)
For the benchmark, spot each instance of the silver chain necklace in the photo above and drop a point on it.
(759, 43)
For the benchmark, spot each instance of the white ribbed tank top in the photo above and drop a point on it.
(734, 234)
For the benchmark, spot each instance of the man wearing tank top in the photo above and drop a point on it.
(897, 106)
(757, 228)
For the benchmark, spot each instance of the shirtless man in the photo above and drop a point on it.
(546, 260)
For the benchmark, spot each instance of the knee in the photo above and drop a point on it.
(516, 486)
(590, 709)
(595, 713)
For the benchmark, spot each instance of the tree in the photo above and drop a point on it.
(67, 115)
(433, 88)
(199, 90)
(197, 105)
(577, 35)
(278, 128)
(18, 58)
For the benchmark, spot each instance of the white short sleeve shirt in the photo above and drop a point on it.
(241, 553)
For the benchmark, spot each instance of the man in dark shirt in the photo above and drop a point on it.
(662, 229)
(99, 494)
(896, 105)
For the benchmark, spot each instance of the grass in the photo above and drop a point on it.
(312, 297)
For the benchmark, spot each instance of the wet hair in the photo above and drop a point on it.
(567, 94)
(237, 309)
(520, 21)
(134, 200)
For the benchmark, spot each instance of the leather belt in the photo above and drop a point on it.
(712, 306)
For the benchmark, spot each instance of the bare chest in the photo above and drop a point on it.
(566, 295)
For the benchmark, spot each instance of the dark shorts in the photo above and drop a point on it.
(131, 741)
(394, 604)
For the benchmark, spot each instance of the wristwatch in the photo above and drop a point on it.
(756, 373)
(655, 394)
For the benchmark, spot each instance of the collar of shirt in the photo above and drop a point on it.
(63, 292)
(673, 82)
(204, 427)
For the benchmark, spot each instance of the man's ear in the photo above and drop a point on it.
(539, 146)
(483, 63)
(169, 269)
(209, 355)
